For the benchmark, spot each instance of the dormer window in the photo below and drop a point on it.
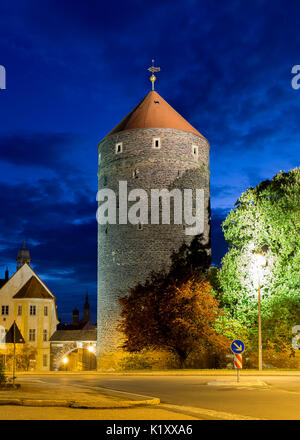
(156, 143)
(195, 150)
(156, 102)
(119, 147)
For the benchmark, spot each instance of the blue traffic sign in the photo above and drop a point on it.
(237, 346)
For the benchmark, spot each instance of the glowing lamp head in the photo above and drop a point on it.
(260, 257)
(65, 360)
(91, 349)
(260, 260)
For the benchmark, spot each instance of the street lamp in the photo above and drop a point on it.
(65, 361)
(91, 349)
(261, 261)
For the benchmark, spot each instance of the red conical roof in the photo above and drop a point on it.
(154, 112)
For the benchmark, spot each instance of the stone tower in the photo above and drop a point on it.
(153, 147)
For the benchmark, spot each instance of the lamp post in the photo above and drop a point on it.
(261, 261)
(65, 362)
(91, 350)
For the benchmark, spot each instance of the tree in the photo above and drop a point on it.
(178, 316)
(24, 355)
(267, 216)
(2, 373)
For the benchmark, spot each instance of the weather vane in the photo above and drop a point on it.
(153, 77)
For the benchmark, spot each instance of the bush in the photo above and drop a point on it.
(273, 357)
(136, 361)
(150, 360)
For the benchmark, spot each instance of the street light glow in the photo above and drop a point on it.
(260, 259)
(91, 349)
(65, 360)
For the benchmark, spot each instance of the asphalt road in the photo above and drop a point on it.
(192, 395)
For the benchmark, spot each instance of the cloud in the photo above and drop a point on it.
(45, 150)
(75, 67)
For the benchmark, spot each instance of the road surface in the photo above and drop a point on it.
(198, 395)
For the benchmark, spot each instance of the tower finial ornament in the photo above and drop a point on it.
(153, 77)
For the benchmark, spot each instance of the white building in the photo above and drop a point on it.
(25, 299)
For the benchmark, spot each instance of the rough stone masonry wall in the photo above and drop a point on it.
(127, 255)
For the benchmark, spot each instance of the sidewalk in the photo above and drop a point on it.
(36, 394)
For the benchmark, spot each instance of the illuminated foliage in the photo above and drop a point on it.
(179, 317)
(267, 216)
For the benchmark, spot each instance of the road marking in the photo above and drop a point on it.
(102, 388)
(28, 379)
(207, 412)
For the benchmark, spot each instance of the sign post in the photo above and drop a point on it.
(237, 347)
(14, 336)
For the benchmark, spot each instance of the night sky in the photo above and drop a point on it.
(75, 69)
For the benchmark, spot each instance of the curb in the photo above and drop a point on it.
(77, 404)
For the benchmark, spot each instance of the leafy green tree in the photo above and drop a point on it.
(265, 217)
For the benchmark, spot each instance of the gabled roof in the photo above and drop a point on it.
(33, 288)
(74, 335)
(154, 112)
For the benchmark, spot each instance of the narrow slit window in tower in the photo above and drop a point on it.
(195, 150)
(135, 173)
(140, 226)
(156, 143)
(119, 147)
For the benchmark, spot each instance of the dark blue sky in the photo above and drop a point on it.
(75, 69)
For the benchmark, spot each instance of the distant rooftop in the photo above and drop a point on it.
(74, 335)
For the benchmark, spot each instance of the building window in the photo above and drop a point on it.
(32, 334)
(104, 180)
(99, 158)
(119, 147)
(32, 310)
(44, 335)
(45, 360)
(195, 150)
(140, 226)
(5, 310)
(46, 311)
(2, 335)
(19, 310)
(156, 143)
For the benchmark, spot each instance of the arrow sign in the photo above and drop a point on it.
(237, 346)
